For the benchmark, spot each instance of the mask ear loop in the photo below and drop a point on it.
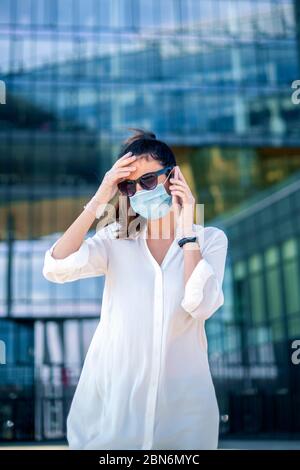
(170, 172)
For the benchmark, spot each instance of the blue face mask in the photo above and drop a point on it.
(153, 203)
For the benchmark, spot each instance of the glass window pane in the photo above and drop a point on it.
(291, 285)
(289, 249)
(65, 13)
(54, 340)
(255, 263)
(272, 256)
(294, 327)
(102, 13)
(257, 299)
(21, 268)
(87, 10)
(38, 12)
(147, 14)
(277, 329)
(274, 293)
(240, 270)
(169, 13)
(23, 10)
(190, 13)
(3, 271)
(5, 8)
(72, 340)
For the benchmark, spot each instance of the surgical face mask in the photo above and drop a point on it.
(153, 203)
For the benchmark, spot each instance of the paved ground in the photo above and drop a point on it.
(33, 447)
(260, 445)
(223, 444)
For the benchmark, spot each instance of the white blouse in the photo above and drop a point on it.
(146, 381)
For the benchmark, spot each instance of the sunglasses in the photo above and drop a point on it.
(147, 181)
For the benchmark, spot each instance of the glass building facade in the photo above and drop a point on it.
(251, 338)
(214, 80)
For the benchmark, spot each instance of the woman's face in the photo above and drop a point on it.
(146, 164)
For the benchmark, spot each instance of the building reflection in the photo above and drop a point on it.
(213, 79)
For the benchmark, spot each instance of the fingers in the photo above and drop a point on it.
(175, 173)
(125, 160)
(177, 188)
(126, 155)
(173, 188)
(126, 168)
(181, 177)
(124, 171)
(181, 194)
(180, 183)
(178, 176)
(176, 183)
(180, 188)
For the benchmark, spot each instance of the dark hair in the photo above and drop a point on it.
(145, 143)
(141, 143)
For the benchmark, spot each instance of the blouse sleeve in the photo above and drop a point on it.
(203, 293)
(91, 259)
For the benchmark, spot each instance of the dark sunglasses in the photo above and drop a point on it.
(147, 181)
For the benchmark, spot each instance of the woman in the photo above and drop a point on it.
(146, 381)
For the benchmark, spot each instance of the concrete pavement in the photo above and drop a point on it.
(229, 444)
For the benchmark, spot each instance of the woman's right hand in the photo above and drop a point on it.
(120, 170)
(73, 237)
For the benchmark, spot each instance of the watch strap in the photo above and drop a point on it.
(184, 240)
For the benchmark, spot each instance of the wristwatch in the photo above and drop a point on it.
(184, 240)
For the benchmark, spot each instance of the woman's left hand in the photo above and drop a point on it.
(182, 192)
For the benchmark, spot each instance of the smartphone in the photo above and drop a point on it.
(175, 172)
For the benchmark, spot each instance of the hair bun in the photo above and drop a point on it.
(139, 134)
(149, 135)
